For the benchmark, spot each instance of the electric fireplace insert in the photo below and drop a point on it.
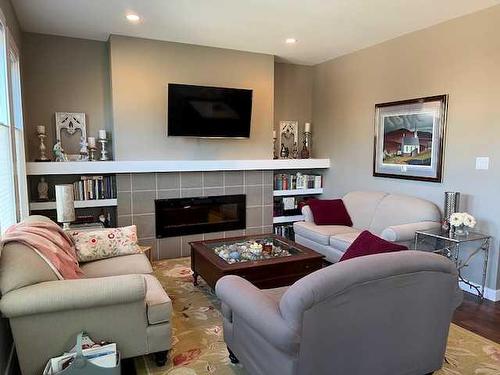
(183, 216)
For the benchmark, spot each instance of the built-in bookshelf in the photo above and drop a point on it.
(287, 219)
(95, 195)
(48, 205)
(285, 193)
(291, 191)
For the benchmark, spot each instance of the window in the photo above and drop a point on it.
(13, 186)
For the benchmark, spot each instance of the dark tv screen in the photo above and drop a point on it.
(200, 111)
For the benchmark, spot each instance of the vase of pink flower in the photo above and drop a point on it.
(461, 222)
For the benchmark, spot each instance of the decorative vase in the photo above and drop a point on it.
(306, 149)
(43, 190)
(295, 151)
(451, 205)
(304, 154)
(461, 230)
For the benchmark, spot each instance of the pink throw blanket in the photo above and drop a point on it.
(50, 242)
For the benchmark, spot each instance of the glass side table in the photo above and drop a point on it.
(451, 245)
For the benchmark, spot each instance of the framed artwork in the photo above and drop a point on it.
(409, 138)
(71, 134)
(289, 137)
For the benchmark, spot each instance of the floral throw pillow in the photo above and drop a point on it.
(105, 243)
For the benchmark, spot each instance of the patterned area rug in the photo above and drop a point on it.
(199, 349)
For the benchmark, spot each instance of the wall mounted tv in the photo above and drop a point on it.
(209, 112)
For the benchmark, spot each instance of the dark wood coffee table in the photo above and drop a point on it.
(265, 273)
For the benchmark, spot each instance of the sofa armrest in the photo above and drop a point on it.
(243, 300)
(406, 232)
(62, 295)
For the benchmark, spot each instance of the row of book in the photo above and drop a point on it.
(285, 230)
(94, 187)
(285, 181)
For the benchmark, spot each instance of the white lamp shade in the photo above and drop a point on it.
(65, 203)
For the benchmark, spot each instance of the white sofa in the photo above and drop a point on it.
(391, 216)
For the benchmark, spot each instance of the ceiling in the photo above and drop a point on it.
(324, 29)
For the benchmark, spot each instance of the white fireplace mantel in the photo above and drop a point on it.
(151, 166)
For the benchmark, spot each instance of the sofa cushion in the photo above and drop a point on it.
(159, 305)
(397, 209)
(320, 233)
(329, 212)
(330, 254)
(369, 244)
(342, 241)
(21, 266)
(124, 265)
(361, 206)
(105, 243)
(276, 293)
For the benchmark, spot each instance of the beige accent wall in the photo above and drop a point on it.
(141, 70)
(460, 58)
(64, 75)
(293, 88)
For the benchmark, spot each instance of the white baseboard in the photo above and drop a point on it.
(10, 361)
(489, 294)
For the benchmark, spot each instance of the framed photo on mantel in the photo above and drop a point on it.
(409, 138)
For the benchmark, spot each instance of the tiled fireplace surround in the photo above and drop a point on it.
(137, 192)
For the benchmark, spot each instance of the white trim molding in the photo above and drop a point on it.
(151, 166)
(489, 294)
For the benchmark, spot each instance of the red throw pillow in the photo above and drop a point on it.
(368, 244)
(329, 212)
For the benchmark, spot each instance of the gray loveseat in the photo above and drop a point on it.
(385, 314)
(393, 217)
(118, 300)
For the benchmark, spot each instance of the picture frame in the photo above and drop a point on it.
(71, 134)
(409, 139)
(288, 140)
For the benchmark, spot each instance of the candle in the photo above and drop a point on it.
(40, 129)
(296, 137)
(92, 142)
(274, 134)
(307, 127)
(102, 134)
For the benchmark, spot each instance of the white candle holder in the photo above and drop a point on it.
(42, 147)
(104, 152)
(92, 156)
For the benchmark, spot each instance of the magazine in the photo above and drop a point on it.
(103, 354)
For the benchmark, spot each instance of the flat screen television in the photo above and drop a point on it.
(211, 112)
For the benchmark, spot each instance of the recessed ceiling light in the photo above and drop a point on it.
(290, 40)
(133, 17)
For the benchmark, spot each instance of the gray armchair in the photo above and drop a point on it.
(386, 314)
(118, 300)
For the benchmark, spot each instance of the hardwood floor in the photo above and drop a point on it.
(481, 318)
